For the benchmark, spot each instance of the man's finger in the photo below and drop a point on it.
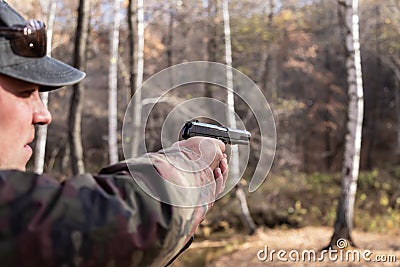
(220, 144)
(223, 165)
(219, 182)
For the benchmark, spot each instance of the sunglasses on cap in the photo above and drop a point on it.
(27, 40)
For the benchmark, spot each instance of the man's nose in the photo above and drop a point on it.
(41, 114)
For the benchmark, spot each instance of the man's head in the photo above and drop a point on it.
(20, 110)
(24, 71)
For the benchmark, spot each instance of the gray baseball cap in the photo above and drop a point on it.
(47, 72)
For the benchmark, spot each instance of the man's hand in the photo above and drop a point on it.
(209, 153)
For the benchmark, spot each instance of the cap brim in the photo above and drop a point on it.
(47, 72)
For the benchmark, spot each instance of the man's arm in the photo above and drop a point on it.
(94, 220)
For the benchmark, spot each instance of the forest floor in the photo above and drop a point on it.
(240, 250)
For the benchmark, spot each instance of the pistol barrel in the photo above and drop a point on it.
(225, 134)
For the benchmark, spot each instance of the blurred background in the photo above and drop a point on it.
(294, 51)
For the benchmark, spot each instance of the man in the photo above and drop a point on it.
(88, 220)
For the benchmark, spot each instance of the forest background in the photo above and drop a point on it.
(294, 51)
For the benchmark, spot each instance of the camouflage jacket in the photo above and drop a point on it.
(100, 220)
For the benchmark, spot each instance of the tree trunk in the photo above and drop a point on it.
(246, 218)
(394, 63)
(170, 35)
(212, 10)
(112, 86)
(327, 118)
(345, 210)
(306, 137)
(75, 114)
(397, 103)
(267, 75)
(393, 200)
(137, 109)
(132, 24)
(41, 137)
(234, 169)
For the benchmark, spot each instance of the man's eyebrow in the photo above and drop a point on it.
(24, 88)
(28, 87)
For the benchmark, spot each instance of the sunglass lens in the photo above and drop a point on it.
(28, 47)
(33, 43)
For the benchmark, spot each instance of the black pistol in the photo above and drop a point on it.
(226, 135)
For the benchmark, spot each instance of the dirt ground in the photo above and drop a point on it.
(244, 253)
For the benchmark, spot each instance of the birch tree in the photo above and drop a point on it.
(41, 138)
(75, 113)
(234, 169)
(350, 169)
(113, 84)
(137, 109)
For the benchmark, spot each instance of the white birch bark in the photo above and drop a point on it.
(351, 164)
(113, 84)
(41, 136)
(234, 165)
(137, 109)
(229, 77)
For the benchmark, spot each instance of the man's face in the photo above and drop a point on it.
(20, 110)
